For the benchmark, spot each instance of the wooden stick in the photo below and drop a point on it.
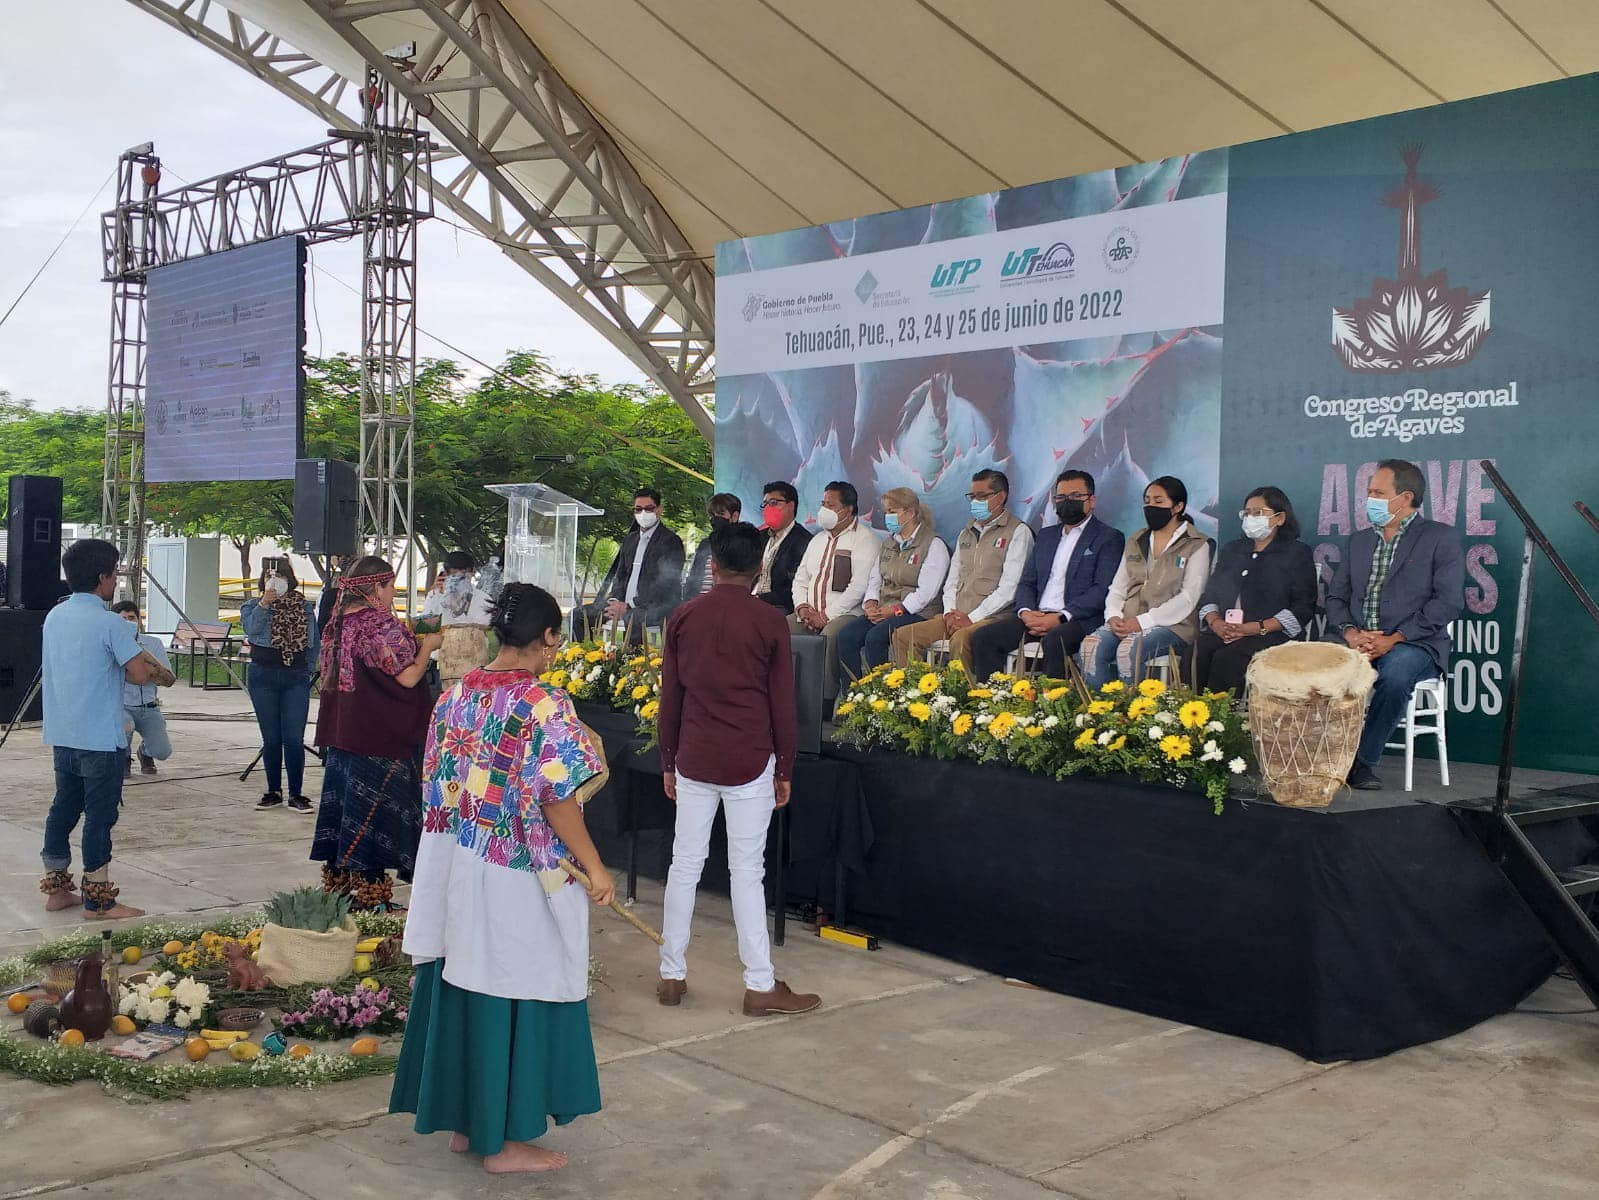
(616, 905)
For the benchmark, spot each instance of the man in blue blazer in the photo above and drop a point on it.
(1396, 589)
(1061, 598)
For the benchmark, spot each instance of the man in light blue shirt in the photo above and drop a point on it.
(89, 653)
(141, 704)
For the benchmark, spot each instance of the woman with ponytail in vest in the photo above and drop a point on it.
(905, 584)
(1152, 601)
(372, 722)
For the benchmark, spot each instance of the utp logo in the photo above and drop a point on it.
(956, 273)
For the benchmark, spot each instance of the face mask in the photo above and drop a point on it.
(772, 517)
(1377, 512)
(827, 518)
(1071, 510)
(1156, 518)
(891, 522)
(719, 523)
(980, 510)
(278, 586)
(1256, 527)
(646, 520)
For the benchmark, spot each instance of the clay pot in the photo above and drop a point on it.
(88, 1005)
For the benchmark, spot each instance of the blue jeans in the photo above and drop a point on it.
(151, 727)
(861, 640)
(1398, 673)
(88, 786)
(281, 697)
(1105, 657)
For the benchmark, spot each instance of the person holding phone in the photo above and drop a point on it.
(280, 625)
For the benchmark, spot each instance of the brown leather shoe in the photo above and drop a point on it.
(780, 1001)
(670, 991)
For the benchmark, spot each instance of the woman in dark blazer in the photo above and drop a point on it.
(1261, 593)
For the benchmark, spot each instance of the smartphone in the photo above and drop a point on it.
(1235, 616)
(271, 566)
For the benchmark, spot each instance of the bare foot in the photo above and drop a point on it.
(117, 912)
(458, 1143)
(56, 901)
(521, 1158)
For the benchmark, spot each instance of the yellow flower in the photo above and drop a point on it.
(919, 710)
(1099, 707)
(640, 692)
(1034, 731)
(559, 678)
(844, 709)
(1001, 726)
(1085, 739)
(894, 679)
(1024, 689)
(615, 691)
(637, 661)
(1151, 688)
(657, 661)
(572, 653)
(955, 664)
(927, 684)
(1141, 706)
(594, 656)
(1118, 743)
(1175, 747)
(962, 725)
(877, 705)
(554, 771)
(1001, 677)
(1111, 688)
(980, 694)
(649, 710)
(1194, 714)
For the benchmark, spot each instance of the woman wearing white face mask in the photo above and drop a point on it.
(1262, 592)
(280, 625)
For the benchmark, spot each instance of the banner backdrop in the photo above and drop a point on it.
(1414, 286)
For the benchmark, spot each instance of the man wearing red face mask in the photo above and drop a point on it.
(785, 545)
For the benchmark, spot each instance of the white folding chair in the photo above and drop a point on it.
(938, 653)
(1030, 650)
(1425, 717)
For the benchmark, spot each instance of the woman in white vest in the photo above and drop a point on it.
(1150, 611)
(905, 584)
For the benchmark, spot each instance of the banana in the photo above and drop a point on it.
(368, 945)
(221, 1039)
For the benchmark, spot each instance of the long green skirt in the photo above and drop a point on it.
(496, 1070)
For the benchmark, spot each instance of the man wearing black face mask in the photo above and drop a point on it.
(1061, 598)
(725, 509)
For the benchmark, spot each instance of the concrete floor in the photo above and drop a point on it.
(919, 1079)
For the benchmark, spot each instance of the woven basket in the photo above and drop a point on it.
(294, 956)
(241, 1020)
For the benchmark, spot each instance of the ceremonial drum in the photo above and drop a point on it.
(1307, 703)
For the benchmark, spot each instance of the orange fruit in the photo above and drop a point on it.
(121, 1024)
(196, 1048)
(173, 947)
(17, 1001)
(364, 1046)
(299, 1051)
(72, 1037)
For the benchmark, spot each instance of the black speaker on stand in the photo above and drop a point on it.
(33, 542)
(327, 507)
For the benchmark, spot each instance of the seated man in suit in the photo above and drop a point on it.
(644, 583)
(725, 509)
(1396, 589)
(1061, 597)
(990, 556)
(786, 540)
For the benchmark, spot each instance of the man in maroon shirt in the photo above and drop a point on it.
(727, 733)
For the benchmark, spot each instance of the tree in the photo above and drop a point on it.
(66, 442)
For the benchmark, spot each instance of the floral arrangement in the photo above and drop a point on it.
(638, 687)
(333, 1014)
(165, 999)
(1050, 726)
(208, 951)
(586, 671)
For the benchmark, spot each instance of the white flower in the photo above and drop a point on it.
(984, 718)
(1212, 752)
(1165, 718)
(1081, 719)
(1215, 727)
(944, 703)
(1156, 733)
(191, 994)
(1107, 737)
(1050, 721)
(1237, 766)
(129, 1003)
(182, 1020)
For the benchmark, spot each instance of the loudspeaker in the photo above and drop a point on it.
(21, 642)
(327, 506)
(33, 542)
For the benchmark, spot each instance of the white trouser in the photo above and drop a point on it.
(749, 808)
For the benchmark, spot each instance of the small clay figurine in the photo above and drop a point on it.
(87, 1006)
(243, 975)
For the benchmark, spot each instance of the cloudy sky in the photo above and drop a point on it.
(80, 82)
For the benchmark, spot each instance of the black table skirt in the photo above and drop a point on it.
(1336, 935)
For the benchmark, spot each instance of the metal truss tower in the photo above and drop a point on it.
(368, 182)
(594, 235)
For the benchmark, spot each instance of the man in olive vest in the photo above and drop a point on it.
(990, 556)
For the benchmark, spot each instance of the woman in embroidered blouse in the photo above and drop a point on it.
(498, 1040)
(280, 625)
(372, 722)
